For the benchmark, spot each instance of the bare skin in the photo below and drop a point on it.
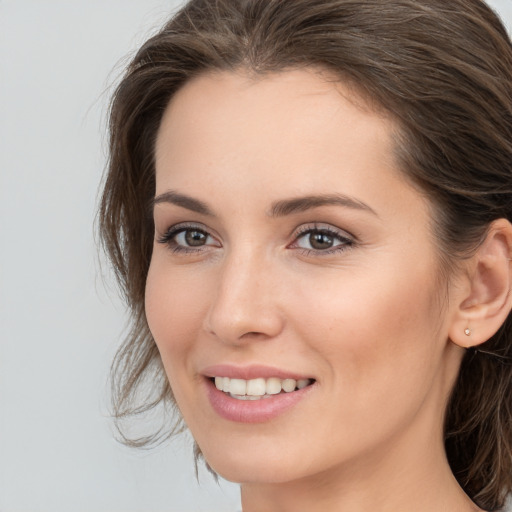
(344, 292)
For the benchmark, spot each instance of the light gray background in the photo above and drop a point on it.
(59, 327)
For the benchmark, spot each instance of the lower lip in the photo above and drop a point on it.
(253, 411)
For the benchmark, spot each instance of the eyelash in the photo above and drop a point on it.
(347, 242)
(168, 238)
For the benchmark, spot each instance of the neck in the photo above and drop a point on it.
(432, 490)
(406, 474)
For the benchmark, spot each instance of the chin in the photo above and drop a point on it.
(256, 472)
(254, 464)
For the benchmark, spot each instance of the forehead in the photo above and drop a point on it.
(299, 119)
(287, 95)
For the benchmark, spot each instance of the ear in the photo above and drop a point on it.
(485, 298)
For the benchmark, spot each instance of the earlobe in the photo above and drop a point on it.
(487, 298)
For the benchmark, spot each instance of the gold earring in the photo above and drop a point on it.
(467, 331)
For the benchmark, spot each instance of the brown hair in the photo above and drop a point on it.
(442, 69)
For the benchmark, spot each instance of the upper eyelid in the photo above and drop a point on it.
(172, 231)
(320, 226)
(295, 234)
(183, 226)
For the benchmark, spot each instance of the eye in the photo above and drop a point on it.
(187, 238)
(322, 240)
(191, 238)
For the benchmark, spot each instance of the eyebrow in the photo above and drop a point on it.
(280, 208)
(184, 201)
(302, 204)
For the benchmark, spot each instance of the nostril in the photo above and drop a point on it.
(253, 335)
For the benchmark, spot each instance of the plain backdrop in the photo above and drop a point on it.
(59, 323)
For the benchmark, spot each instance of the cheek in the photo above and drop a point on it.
(376, 327)
(373, 338)
(175, 306)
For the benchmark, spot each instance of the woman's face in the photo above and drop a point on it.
(289, 250)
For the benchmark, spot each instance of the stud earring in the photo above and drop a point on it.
(467, 331)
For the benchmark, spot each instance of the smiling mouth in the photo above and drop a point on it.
(260, 388)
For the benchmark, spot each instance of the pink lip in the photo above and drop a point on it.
(251, 411)
(249, 372)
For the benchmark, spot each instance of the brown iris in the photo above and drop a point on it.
(321, 240)
(195, 238)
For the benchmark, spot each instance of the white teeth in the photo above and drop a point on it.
(273, 386)
(302, 383)
(248, 397)
(289, 385)
(238, 386)
(257, 388)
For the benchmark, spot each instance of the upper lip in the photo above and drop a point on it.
(250, 372)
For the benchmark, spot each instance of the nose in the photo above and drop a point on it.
(246, 305)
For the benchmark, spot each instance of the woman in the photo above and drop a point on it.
(308, 208)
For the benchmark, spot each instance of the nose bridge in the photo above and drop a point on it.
(245, 301)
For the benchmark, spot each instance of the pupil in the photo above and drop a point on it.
(195, 238)
(320, 240)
